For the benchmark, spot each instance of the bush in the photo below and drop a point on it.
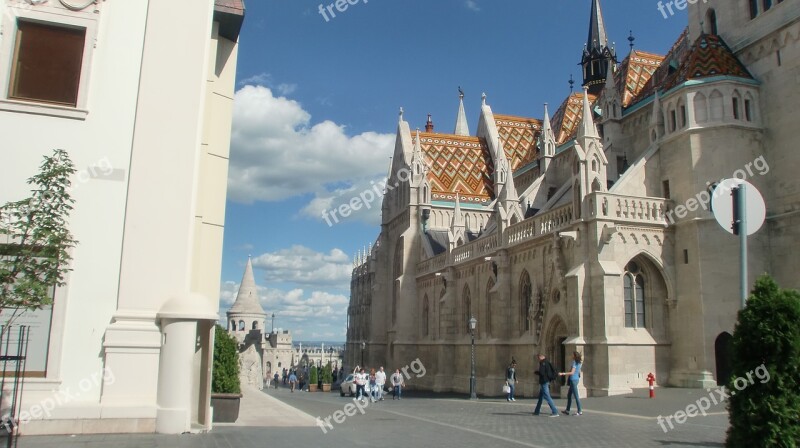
(327, 374)
(766, 413)
(225, 376)
(313, 377)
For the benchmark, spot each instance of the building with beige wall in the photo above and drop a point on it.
(585, 229)
(140, 95)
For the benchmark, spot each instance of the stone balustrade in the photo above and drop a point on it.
(630, 209)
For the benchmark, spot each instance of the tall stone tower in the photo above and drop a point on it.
(246, 314)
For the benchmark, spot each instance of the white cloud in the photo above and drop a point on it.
(306, 267)
(277, 153)
(473, 5)
(367, 192)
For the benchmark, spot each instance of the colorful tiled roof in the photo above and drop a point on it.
(708, 56)
(518, 135)
(668, 66)
(634, 72)
(458, 164)
(568, 116)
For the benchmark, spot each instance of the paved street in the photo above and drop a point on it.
(450, 421)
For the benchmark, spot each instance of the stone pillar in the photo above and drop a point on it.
(175, 376)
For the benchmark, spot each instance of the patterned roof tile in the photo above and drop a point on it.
(519, 135)
(635, 71)
(458, 164)
(569, 116)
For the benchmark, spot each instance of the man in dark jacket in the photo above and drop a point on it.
(546, 374)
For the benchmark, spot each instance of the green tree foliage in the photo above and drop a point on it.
(36, 257)
(327, 374)
(313, 375)
(766, 413)
(225, 376)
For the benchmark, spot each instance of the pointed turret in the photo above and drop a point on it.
(458, 218)
(462, 128)
(587, 129)
(597, 55)
(547, 141)
(247, 299)
(429, 124)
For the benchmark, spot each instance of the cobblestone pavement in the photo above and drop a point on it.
(450, 421)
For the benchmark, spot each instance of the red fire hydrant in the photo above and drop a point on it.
(651, 379)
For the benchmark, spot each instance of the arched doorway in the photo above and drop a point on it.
(554, 348)
(722, 354)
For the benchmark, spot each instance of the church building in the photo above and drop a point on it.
(589, 229)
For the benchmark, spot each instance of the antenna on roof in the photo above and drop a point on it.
(571, 84)
(631, 39)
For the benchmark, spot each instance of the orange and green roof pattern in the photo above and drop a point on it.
(709, 56)
(518, 135)
(569, 116)
(458, 165)
(635, 71)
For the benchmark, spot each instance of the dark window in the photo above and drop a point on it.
(748, 113)
(767, 4)
(683, 116)
(628, 301)
(47, 63)
(685, 256)
(673, 120)
(735, 108)
(753, 9)
(634, 296)
(665, 187)
(712, 21)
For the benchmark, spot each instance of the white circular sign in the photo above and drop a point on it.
(722, 204)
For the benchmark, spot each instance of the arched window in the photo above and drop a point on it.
(753, 8)
(736, 104)
(241, 325)
(233, 325)
(711, 18)
(633, 285)
(717, 109)
(767, 4)
(525, 302)
(440, 324)
(255, 325)
(425, 315)
(700, 105)
(466, 309)
(487, 318)
(748, 107)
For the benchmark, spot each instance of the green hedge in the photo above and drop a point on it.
(225, 376)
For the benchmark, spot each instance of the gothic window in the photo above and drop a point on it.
(488, 316)
(425, 315)
(525, 302)
(736, 104)
(715, 101)
(241, 325)
(753, 8)
(466, 309)
(633, 284)
(700, 105)
(233, 325)
(255, 325)
(767, 4)
(711, 18)
(748, 107)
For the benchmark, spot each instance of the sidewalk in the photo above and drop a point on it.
(258, 409)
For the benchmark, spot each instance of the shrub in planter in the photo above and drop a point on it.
(225, 387)
(766, 341)
(313, 378)
(327, 378)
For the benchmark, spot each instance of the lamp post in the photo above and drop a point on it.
(472, 393)
(363, 346)
(273, 322)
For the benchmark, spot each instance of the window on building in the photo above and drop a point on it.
(665, 189)
(425, 315)
(736, 114)
(711, 17)
(767, 4)
(748, 111)
(46, 66)
(255, 325)
(673, 119)
(683, 116)
(467, 309)
(525, 302)
(753, 8)
(241, 325)
(634, 296)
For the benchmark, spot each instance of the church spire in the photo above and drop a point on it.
(429, 124)
(597, 55)
(587, 129)
(247, 298)
(462, 128)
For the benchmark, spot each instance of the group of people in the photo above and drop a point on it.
(371, 385)
(547, 373)
(295, 378)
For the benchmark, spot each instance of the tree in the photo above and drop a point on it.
(327, 374)
(765, 412)
(313, 377)
(225, 376)
(35, 257)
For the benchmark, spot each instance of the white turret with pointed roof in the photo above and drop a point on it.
(587, 129)
(462, 128)
(246, 312)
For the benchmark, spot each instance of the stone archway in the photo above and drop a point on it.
(554, 348)
(722, 355)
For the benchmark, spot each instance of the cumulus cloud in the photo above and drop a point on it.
(278, 153)
(306, 267)
(473, 5)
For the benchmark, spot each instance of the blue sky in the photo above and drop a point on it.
(316, 109)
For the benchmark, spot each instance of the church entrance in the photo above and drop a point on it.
(555, 350)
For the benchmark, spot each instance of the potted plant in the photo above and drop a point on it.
(226, 392)
(313, 377)
(327, 378)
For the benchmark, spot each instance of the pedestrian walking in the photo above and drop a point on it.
(360, 377)
(373, 385)
(380, 381)
(267, 379)
(397, 384)
(292, 381)
(277, 379)
(572, 377)
(511, 379)
(546, 374)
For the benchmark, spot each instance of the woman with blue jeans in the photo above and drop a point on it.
(511, 380)
(572, 377)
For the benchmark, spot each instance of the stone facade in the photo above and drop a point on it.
(587, 231)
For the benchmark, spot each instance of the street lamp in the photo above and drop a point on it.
(363, 346)
(472, 324)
